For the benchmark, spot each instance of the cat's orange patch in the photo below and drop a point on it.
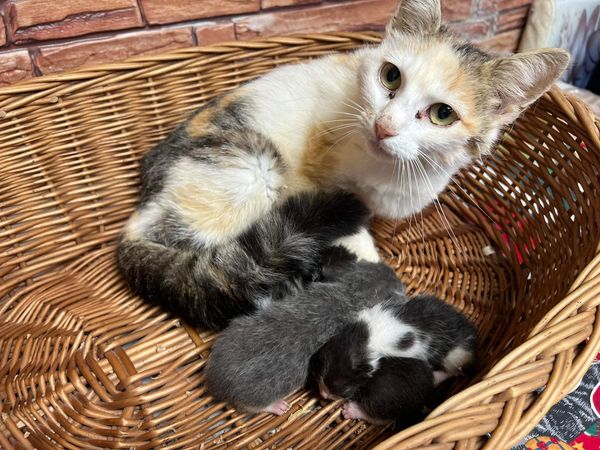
(461, 84)
(201, 124)
(206, 210)
(320, 158)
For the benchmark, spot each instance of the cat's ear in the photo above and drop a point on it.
(416, 17)
(520, 79)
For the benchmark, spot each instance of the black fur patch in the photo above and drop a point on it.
(341, 364)
(406, 341)
(208, 287)
(398, 391)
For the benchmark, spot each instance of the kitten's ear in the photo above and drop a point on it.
(520, 79)
(416, 17)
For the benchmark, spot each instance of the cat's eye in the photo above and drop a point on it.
(390, 76)
(442, 114)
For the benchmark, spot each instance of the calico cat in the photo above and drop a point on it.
(390, 123)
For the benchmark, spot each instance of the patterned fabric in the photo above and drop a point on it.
(574, 422)
(570, 24)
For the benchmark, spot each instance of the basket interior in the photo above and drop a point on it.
(84, 364)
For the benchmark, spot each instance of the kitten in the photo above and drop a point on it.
(397, 392)
(424, 327)
(391, 123)
(388, 359)
(261, 358)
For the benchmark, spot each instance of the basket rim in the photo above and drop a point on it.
(583, 295)
(44, 82)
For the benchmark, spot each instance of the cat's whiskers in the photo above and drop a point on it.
(417, 193)
(437, 204)
(355, 106)
(333, 130)
(349, 113)
(349, 133)
(440, 170)
(410, 178)
(413, 214)
(347, 120)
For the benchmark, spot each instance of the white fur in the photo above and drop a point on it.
(263, 302)
(394, 184)
(361, 244)
(141, 221)
(456, 359)
(234, 196)
(385, 330)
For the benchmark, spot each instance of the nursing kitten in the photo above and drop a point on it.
(387, 361)
(391, 123)
(424, 327)
(261, 358)
(397, 393)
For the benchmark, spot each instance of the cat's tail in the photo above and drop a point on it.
(209, 287)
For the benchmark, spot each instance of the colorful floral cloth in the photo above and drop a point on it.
(573, 423)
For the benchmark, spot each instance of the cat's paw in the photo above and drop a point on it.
(352, 410)
(278, 407)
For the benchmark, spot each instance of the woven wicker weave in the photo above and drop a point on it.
(83, 364)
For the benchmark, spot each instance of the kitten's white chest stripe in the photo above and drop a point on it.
(386, 331)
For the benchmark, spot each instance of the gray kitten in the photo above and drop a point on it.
(261, 358)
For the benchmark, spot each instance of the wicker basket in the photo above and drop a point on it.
(83, 364)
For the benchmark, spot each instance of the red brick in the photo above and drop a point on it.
(501, 5)
(503, 42)
(213, 33)
(57, 58)
(15, 66)
(472, 29)
(357, 15)
(51, 19)
(266, 4)
(2, 32)
(512, 19)
(170, 11)
(456, 9)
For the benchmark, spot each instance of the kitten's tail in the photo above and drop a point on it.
(209, 287)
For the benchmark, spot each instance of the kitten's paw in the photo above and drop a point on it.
(439, 376)
(352, 410)
(278, 408)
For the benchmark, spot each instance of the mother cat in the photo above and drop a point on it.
(239, 200)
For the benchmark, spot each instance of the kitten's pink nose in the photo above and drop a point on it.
(384, 128)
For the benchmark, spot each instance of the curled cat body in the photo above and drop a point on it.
(262, 357)
(389, 123)
(387, 361)
(424, 328)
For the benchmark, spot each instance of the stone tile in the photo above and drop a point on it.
(37, 20)
(357, 15)
(57, 58)
(213, 33)
(15, 66)
(182, 10)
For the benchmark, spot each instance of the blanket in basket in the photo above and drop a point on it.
(574, 422)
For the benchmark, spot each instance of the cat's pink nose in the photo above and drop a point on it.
(383, 128)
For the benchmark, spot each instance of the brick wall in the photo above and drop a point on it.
(44, 36)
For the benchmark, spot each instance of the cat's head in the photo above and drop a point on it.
(426, 92)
